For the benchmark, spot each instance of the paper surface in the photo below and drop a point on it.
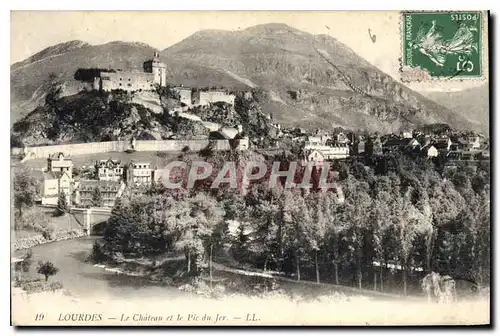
(382, 72)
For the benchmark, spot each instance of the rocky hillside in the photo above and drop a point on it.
(311, 81)
(95, 116)
(472, 104)
(102, 116)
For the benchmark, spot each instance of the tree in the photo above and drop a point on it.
(355, 216)
(96, 197)
(381, 223)
(62, 205)
(321, 219)
(408, 223)
(267, 211)
(25, 190)
(47, 269)
(239, 245)
(302, 237)
(194, 227)
(334, 231)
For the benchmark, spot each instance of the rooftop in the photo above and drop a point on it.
(58, 155)
(89, 185)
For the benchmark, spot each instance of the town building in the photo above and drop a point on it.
(109, 191)
(429, 151)
(424, 139)
(328, 153)
(460, 155)
(398, 144)
(109, 170)
(59, 162)
(442, 144)
(139, 174)
(314, 141)
(314, 155)
(459, 144)
(342, 139)
(55, 182)
(474, 142)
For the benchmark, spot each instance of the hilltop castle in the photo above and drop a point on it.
(155, 73)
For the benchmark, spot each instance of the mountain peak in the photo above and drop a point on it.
(271, 28)
(132, 44)
(55, 50)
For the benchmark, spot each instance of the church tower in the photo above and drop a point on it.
(158, 69)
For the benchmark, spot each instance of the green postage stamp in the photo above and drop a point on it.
(443, 44)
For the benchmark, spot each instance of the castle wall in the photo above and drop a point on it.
(127, 80)
(185, 96)
(121, 146)
(207, 97)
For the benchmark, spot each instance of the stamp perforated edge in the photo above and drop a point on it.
(423, 78)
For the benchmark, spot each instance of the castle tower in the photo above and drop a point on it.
(158, 69)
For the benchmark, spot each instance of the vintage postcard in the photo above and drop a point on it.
(250, 168)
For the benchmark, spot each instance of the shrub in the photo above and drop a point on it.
(55, 286)
(47, 269)
(98, 255)
(218, 291)
(33, 287)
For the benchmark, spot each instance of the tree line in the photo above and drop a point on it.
(409, 215)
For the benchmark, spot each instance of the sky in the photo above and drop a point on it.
(32, 31)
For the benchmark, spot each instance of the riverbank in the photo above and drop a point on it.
(38, 239)
(228, 281)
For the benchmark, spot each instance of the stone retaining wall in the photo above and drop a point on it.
(121, 146)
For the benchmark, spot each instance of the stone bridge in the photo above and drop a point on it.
(91, 219)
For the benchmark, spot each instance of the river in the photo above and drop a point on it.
(84, 280)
